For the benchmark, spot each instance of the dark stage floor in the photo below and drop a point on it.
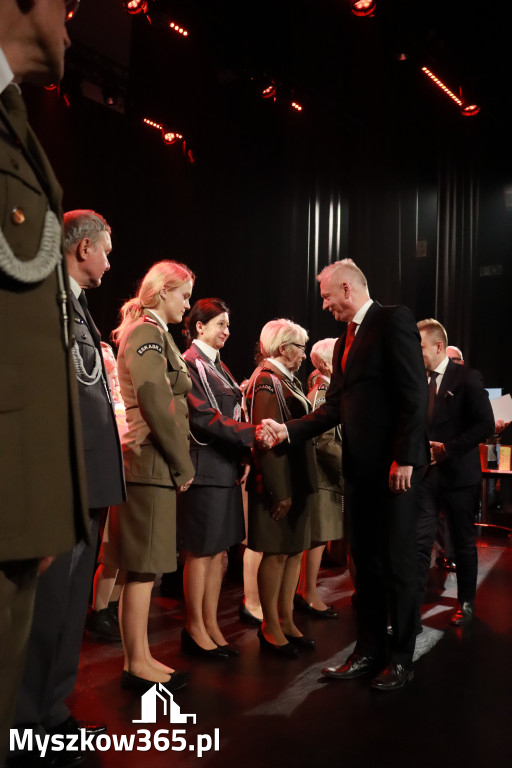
(268, 712)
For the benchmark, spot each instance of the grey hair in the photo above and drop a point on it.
(346, 264)
(275, 333)
(322, 351)
(83, 223)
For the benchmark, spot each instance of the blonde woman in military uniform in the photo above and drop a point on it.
(140, 537)
(281, 487)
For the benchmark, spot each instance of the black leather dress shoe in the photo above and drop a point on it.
(393, 677)
(355, 666)
(418, 629)
(140, 684)
(463, 615)
(72, 725)
(231, 650)
(446, 563)
(302, 643)
(246, 617)
(304, 607)
(103, 625)
(189, 646)
(286, 651)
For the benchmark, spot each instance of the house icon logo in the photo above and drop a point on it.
(159, 695)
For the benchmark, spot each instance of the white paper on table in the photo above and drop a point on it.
(502, 408)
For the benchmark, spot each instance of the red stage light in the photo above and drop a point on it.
(296, 106)
(441, 85)
(170, 137)
(133, 7)
(269, 92)
(467, 110)
(152, 124)
(363, 7)
(176, 28)
(51, 87)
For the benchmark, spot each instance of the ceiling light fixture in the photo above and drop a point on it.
(363, 7)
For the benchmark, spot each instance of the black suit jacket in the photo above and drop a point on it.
(380, 399)
(461, 419)
(217, 439)
(102, 447)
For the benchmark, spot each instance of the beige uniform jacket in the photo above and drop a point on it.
(154, 383)
(328, 444)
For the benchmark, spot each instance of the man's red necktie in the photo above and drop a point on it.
(349, 338)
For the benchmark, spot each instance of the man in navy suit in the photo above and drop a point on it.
(378, 393)
(459, 417)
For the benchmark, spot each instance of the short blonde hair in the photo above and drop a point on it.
(322, 351)
(278, 332)
(434, 329)
(163, 274)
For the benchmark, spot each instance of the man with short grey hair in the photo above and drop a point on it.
(62, 596)
(378, 393)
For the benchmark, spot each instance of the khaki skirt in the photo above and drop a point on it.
(140, 534)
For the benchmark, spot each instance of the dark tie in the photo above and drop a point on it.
(15, 106)
(82, 299)
(349, 338)
(218, 365)
(432, 391)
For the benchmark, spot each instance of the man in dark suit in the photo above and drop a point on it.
(42, 484)
(459, 417)
(62, 596)
(378, 393)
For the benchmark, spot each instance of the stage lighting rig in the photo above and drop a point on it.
(363, 7)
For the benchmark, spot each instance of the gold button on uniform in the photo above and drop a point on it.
(17, 215)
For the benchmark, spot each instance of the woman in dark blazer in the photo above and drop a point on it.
(140, 535)
(281, 486)
(210, 515)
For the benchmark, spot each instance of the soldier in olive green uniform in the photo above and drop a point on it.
(43, 507)
(140, 537)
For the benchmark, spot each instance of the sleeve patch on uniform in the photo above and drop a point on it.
(267, 387)
(148, 347)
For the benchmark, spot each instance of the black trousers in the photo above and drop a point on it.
(18, 581)
(459, 505)
(382, 534)
(53, 652)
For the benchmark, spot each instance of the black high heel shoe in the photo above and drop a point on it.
(302, 643)
(189, 646)
(230, 649)
(178, 680)
(246, 617)
(287, 651)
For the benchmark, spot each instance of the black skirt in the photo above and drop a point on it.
(210, 519)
